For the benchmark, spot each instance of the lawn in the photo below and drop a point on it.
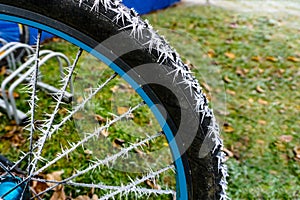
(249, 64)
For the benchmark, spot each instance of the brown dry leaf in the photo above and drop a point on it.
(2, 71)
(79, 99)
(38, 186)
(99, 119)
(227, 128)
(259, 89)
(263, 102)
(231, 92)
(228, 152)
(262, 122)
(122, 110)
(286, 138)
(297, 153)
(293, 59)
(63, 111)
(256, 58)
(78, 116)
(271, 59)
(261, 142)
(95, 197)
(88, 152)
(261, 71)
(227, 80)
(14, 135)
(211, 53)
(105, 133)
(251, 100)
(56, 176)
(153, 185)
(83, 197)
(59, 194)
(139, 152)
(206, 86)
(241, 72)
(230, 55)
(118, 143)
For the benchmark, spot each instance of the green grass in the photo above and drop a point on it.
(255, 60)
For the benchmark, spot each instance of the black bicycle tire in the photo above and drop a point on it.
(207, 173)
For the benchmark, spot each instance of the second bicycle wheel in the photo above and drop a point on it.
(103, 140)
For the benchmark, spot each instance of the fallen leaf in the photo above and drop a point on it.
(153, 184)
(122, 110)
(105, 133)
(286, 138)
(230, 55)
(263, 102)
(89, 152)
(260, 71)
(251, 100)
(81, 197)
(99, 119)
(297, 153)
(79, 99)
(206, 86)
(139, 152)
(259, 89)
(228, 152)
(241, 72)
(118, 143)
(2, 71)
(256, 58)
(56, 176)
(78, 116)
(59, 194)
(293, 59)
(95, 197)
(63, 111)
(211, 53)
(261, 142)
(271, 59)
(38, 186)
(231, 92)
(262, 122)
(227, 128)
(227, 80)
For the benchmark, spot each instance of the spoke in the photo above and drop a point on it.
(33, 99)
(7, 170)
(101, 186)
(76, 109)
(49, 123)
(56, 127)
(90, 136)
(132, 187)
(105, 161)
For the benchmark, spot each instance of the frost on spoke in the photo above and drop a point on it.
(95, 164)
(133, 186)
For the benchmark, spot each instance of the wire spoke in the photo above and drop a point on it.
(49, 123)
(56, 127)
(132, 186)
(33, 84)
(101, 186)
(7, 170)
(105, 161)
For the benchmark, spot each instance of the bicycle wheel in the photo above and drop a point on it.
(131, 48)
